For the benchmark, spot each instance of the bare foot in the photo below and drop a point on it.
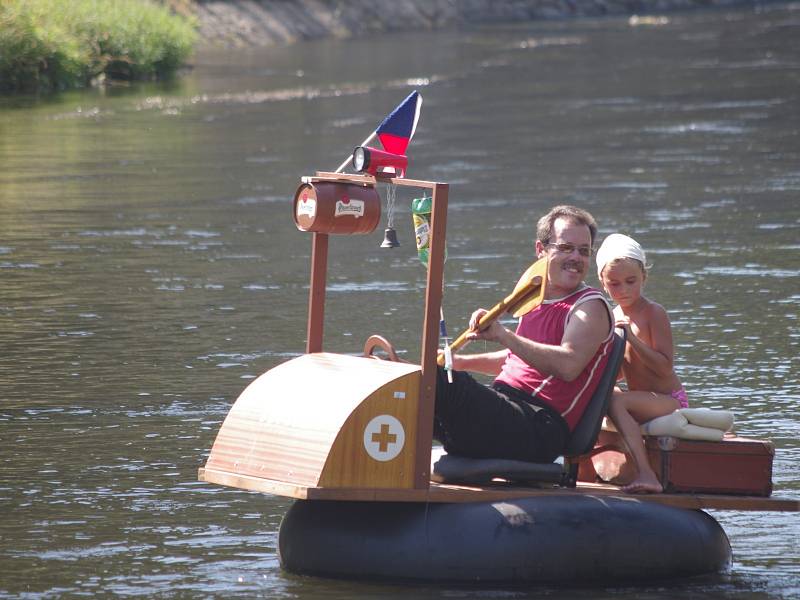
(644, 484)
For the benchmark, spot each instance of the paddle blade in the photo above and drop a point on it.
(533, 298)
(527, 294)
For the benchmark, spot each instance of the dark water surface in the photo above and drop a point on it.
(150, 269)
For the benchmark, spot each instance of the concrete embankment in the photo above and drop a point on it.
(267, 22)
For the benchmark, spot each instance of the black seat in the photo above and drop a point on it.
(448, 468)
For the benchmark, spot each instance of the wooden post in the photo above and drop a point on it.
(430, 335)
(316, 295)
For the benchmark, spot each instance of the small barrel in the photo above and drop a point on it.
(335, 207)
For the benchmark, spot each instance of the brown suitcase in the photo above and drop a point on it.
(736, 465)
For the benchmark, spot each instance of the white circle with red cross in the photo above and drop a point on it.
(384, 438)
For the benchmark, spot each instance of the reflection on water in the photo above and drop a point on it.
(150, 268)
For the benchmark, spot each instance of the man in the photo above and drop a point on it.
(549, 367)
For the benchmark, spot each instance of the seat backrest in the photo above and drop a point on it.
(586, 431)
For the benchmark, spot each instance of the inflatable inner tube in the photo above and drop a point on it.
(547, 539)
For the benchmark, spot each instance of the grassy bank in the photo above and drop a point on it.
(61, 44)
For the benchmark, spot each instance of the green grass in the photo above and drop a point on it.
(61, 44)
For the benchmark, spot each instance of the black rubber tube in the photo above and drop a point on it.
(551, 539)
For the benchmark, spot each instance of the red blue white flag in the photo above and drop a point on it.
(396, 130)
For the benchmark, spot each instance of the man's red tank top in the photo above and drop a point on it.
(546, 324)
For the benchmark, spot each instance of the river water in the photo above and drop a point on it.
(150, 269)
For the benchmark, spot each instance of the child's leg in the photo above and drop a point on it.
(627, 410)
(644, 406)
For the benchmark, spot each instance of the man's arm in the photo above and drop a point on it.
(587, 328)
(488, 363)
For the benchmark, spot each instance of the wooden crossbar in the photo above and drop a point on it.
(446, 493)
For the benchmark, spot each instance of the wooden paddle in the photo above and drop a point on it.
(527, 295)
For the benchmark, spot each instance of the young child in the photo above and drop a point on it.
(653, 388)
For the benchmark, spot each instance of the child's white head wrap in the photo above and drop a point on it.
(617, 246)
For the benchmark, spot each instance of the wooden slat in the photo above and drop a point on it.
(316, 293)
(369, 179)
(430, 336)
(453, 493)
(254, 484)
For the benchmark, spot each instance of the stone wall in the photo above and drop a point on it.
(266, 22)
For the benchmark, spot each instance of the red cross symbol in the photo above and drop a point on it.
(384, 438)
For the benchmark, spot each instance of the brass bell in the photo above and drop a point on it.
(390, 238)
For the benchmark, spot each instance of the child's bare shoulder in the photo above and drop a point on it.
(655, 311)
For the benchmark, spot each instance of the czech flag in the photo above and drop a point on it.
(396, 130)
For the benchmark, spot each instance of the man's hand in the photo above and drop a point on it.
(492, 333)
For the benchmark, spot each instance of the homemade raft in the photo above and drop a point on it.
(350, 438)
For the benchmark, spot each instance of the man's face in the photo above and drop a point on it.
(569, 251)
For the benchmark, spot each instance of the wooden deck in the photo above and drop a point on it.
(495, 493)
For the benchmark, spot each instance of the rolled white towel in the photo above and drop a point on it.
(671, 424)
(706, 417)
(691, 424)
